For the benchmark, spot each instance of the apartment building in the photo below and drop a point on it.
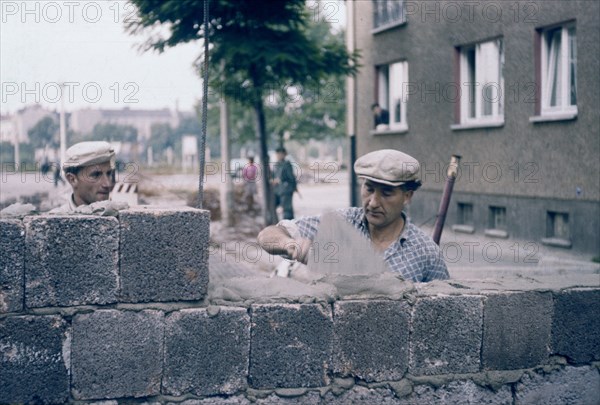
(510, 86)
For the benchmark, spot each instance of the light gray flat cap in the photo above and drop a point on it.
(387, 166)
(89, 153)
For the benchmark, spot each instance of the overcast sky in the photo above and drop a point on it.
(83, 43)
(43, 43)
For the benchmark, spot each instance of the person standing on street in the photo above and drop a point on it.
(389, 181)
(249, 174)
(284, 183)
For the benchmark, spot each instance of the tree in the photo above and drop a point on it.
(257, 46)
(44, 133)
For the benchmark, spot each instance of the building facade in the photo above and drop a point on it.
(83, 121)
(511, 87)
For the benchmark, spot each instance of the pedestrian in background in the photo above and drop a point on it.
(284, 182)
(249, 174)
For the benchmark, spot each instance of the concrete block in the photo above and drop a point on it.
(308, 398)
(34, 360)
(463, 392)
(576, 325)
(117, 354)
(516, 330)
(360, 395)
(71, 260)
(206, 355)
(12, 265)
(571, 385)
(164, 254)
(446, 335)
(237, 400)
(290, 345)
(371, 339)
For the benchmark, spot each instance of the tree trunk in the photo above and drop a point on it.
(270, 215)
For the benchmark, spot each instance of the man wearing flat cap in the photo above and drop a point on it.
(89, 168)
(390, 178)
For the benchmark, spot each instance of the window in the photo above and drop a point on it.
(465, 214)
(558, 70)
(497, 219)
(557, 225)
(482, 83)
(558, 232)
(392, 84)
(388, 13)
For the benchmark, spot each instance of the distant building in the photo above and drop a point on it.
(512, 87)
(84, 121)
(23, 121)
(8, 129)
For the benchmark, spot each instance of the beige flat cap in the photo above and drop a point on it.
(89, 153)
(387, 166)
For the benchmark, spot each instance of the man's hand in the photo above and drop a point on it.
(298, 250)
(277, 241)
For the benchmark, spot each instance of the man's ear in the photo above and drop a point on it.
(409, 195)
(72, 179)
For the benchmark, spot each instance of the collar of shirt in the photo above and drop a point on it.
(404, 235)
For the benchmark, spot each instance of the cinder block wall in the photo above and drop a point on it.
(116, 310)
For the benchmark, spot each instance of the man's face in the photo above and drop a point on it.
(383, 204)
(280, 156)
(377, 110)
(92, 183)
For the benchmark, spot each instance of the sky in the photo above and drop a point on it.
(83, 44)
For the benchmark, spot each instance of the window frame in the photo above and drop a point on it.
(391, 86)
(465, 209)
(393, 23)
(471, 68)
(497, 214)
(565, 108)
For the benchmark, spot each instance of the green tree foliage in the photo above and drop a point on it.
(257, 46)
(44, 133)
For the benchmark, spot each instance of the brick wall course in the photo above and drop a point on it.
(12, 265)
(160, 347)
(290, 345)
(204, 354)
(71, 260)
(516, 330)
(571, 385)
(446, 335)
(117, 354)
(34, 360)
(164, 254)
(371, 339)
(576, 325)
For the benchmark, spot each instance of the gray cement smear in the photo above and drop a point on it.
(348, 268)
(339, 248)
(351, 269)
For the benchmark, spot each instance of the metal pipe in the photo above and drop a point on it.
(445, 202)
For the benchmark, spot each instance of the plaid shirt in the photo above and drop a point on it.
(414, 254)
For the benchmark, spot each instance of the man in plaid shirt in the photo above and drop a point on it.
(390, 178)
